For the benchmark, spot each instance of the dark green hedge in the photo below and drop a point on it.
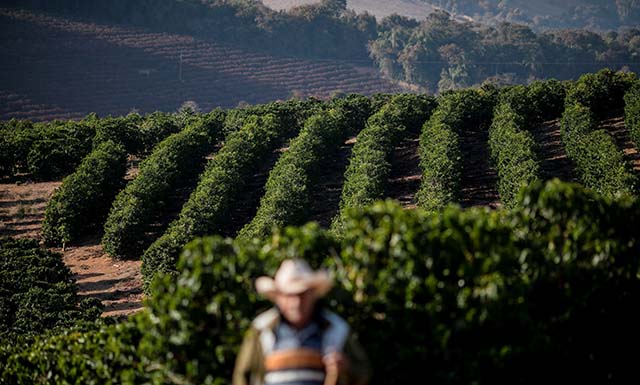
(602, 92)
(173, 164)
(366, 176)
(539, 101)
(287, 198)
(46, 151)
(217, 190)
(456, 297)
(52, 150)
(440, 156)
(598, 160)
(513, 153)
(37, 293)
(632, 113)
(81, 204)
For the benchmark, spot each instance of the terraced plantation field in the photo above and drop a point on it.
(53, 67)
(287, 163)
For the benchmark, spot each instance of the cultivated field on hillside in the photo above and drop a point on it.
(58, 68)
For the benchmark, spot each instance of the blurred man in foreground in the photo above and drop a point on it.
(297, 342)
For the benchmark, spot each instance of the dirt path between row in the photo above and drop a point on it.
(326, 194)
(619, 132)
(554, 162)
(405, 178)
(479, 178)
(118, 284)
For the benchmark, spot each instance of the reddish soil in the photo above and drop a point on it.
(326, 194)
(406, 175)
(615, 126)
(22, 208)
(553, 159)
(479, 177)
(55, 67)
(117, 283)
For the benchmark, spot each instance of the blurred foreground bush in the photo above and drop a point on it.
(458, 297)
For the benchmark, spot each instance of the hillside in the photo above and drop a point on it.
(416, 9)
(55, 67)
(542, 14)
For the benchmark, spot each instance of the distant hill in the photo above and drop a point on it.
(59, 68)
(539, 14)
(416, 9)
(549, 14)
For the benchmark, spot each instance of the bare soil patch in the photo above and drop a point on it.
(554, 162)
(22, 207)
(326, 194)
(118, 284)
(479, 177)
(406, 175)
(615, 127)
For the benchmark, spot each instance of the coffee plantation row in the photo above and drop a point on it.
(451, 297)
(242, 140)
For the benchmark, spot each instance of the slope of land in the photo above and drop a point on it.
(616, 127)
(406, 175)
(118, 284)
(550, 151)
(325, 199)
(416, 9)
(54, 67)
(479, 177)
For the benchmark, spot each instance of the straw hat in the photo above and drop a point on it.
(294, 277)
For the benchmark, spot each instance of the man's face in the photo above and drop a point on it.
(297, 308)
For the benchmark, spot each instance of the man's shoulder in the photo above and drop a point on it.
(266, 320)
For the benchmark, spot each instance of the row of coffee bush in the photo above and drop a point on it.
(172, 165)
(455, 297)
(366, 176)
(599, 162)
(37, 294)
(48, 151)
(440, 154)
(81, 204)
(288, 191)
(513, 153)
(220, 185)
(520, 110)
(632, 113)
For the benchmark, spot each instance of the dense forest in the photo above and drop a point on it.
(440, 53)
(544, 14)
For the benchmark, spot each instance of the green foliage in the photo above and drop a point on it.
(217, 190)
(460, 296)
(81, 203)
(440, 156)
(37, 293)
(537, 102)
(598, 161)
(632, 113)
(155, 128)
(121, 130)
(602, 92)
(97, 354)
(287, 198)
(366, 176)
(513, 152)
(173, 164)
(44, 150)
